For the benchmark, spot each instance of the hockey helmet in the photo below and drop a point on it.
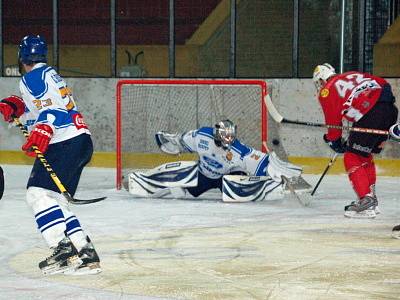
(32, 49)
(322, 73)
(224, 133)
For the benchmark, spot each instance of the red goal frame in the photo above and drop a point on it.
(262, 84)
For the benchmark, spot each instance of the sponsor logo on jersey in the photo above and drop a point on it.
(203, 144)
(213, 163)
(361, 148)
(78, 121)
(324, 93)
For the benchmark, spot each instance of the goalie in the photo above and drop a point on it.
(242, 173)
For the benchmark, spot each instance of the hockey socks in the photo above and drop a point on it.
(361, 172)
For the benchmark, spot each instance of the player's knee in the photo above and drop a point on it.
(39, 197)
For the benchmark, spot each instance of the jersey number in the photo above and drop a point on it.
(342, 86)
(42, 103)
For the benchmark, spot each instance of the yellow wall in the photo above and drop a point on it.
(387, 52)
(311, 165)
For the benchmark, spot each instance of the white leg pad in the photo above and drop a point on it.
(159, 181)
(48, 214)
(238, 188)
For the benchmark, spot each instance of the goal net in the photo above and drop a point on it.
(145, 107)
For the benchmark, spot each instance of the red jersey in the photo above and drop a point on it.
(349, 95)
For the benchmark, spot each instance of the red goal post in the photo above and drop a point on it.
(145, 106)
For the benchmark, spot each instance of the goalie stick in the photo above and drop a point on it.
(51, 172)
(280, 119)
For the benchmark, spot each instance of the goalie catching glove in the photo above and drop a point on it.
(39, 137)
(168, 142)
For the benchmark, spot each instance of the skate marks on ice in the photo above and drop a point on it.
(286, 260)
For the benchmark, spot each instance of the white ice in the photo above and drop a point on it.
(206, 249)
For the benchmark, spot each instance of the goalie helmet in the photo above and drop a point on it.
(224, 133)
(32, 49)
(321, 74)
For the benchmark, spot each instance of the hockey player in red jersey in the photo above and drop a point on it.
(366, 101)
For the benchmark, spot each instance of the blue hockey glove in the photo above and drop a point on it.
(339, 146)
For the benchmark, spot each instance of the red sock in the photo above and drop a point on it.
(370, 169)
(358, 174)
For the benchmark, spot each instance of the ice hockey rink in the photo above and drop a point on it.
(206, 249)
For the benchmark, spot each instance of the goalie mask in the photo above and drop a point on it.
(224, 133)
(321, 75)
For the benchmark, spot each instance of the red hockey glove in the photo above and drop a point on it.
(10, 106)
(39, 137)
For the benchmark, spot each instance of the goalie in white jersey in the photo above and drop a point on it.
(49, 112)
(242, 173)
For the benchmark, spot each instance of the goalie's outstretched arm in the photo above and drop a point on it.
(176, 143)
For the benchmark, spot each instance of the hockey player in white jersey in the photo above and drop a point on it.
(221, 155)
(49, 112)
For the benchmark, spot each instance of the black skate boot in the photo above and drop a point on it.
(396, 232)
(64, 258)
(90, 261)
(362, 209)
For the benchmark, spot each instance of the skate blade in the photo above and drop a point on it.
(89, 269)
(365, 214)
(72, 263)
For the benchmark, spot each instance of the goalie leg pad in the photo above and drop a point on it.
(239, 188)
(158, 181)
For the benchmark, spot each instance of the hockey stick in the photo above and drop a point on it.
(1, 182)
(51, 172)
(280, 119)
(333, 159)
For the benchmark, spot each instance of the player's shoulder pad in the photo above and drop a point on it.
(206, 131)
(35, 81)
(241, 148)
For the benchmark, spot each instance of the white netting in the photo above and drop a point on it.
(146, 109)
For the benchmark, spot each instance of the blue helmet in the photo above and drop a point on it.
(32, 49)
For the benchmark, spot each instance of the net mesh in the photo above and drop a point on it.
(176, 108)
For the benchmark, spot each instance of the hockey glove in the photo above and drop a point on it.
(39, 137)
(11, 106)
(394, 132)
(339, 146)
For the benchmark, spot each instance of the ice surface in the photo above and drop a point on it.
(206, 249)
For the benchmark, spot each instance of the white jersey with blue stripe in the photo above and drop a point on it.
(48, 100)
(214, 161)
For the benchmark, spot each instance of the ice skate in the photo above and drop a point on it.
(64, 258)
(396, 232)
(362, 209)
(90, 261)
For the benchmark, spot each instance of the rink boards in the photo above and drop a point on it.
(311, 165)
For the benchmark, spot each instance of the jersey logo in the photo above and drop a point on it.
(255, 156)
(213, 163)
(78, 121)
(229, 155)
(324, 93)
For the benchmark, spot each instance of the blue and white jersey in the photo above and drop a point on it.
(48, 100)
(214, 161)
